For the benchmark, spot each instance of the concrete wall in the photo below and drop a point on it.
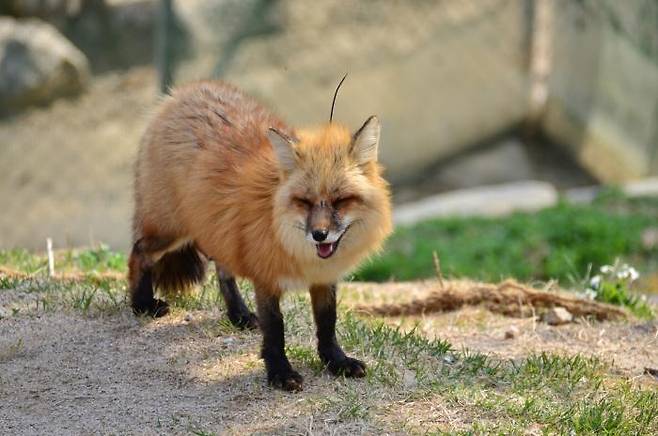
(603, 90)
(441, 75)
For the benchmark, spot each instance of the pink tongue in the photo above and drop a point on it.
(325, 250)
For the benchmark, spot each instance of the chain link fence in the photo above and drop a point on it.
(444, 76)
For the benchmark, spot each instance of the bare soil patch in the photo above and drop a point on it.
(65, 371)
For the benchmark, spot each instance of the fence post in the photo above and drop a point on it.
(163, 45)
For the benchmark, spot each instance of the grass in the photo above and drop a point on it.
(97, 259)
(562, 242)
(550, 392)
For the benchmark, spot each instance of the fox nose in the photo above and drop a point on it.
(319, 235)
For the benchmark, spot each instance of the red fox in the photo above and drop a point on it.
(220, 178)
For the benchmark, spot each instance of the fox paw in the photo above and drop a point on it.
(288, 380)
(245, 321)
(347, 367)
(155, 308)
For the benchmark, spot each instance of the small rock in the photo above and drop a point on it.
(449, 359)
(409, 379)
(557, 316)
(512, 332)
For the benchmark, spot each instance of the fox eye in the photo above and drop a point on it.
(345, 201)
(303, 202)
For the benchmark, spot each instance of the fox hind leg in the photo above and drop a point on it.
(140, 276)
(238, 312)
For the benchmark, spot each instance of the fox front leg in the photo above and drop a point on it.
(323, 298)
(279, 371)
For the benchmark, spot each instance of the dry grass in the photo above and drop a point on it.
(508, 298)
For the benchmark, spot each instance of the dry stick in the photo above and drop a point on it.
(51, 257)
(502, 298)
(437, 268)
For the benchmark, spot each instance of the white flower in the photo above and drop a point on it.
(634, 274)
(595, 282)
(627, 272)
(607, 269)
(590, 294)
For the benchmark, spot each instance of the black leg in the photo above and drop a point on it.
(140, 277)
(323, 298)
(238, 312)
(279, 371)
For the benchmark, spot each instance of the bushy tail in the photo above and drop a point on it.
(176, 272)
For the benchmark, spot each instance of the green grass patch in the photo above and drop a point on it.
(557, 393)
(562, 242)
(96, 259)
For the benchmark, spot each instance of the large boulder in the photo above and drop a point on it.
(37, 64)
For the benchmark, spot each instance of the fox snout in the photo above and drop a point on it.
(319, 235)
(321, 221)
(324, 229)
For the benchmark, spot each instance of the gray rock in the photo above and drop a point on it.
(557, 316)
(506, 161)
(37, 64)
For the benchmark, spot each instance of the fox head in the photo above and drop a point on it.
(332, 206)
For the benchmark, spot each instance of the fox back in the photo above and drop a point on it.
(284, 208)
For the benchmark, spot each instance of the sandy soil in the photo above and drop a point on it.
(62, 372)
(112, 375)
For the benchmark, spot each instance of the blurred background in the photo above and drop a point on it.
(537, 101)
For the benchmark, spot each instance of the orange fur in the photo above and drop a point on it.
(207, 174)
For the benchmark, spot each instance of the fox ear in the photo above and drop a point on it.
(366, 141)
(284, 149)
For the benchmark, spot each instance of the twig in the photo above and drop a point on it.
(51, 257)
(437, 268)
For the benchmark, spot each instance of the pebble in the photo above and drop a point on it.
(512, 332)
(557, 316)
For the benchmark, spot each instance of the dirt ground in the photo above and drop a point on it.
(65, 372)
(628, 346)
(115, 375)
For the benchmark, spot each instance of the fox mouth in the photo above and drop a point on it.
(326, 250)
